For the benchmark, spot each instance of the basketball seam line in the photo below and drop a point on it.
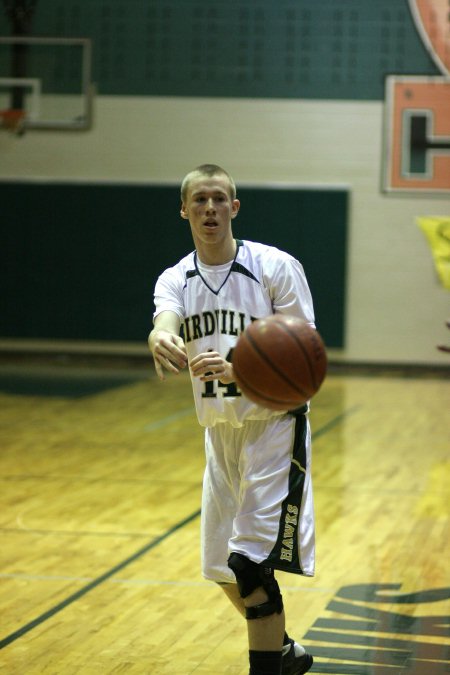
(294, 385)
(305, 353)
(264, 396)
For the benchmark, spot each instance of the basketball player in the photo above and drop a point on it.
(257, 509)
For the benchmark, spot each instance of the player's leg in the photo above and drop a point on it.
(295, 660)
(232, 593)
(274, 469)
(271, 650)
(221, 499)
(220, 503)
(263, 604)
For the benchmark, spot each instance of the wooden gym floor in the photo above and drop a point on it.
(100, 480)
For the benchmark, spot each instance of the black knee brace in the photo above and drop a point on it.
(249, 576)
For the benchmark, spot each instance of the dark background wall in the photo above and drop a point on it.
(265, 48)
(80, 261)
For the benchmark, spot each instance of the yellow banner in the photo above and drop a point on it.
(437, 232)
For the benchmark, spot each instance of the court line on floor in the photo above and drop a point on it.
(75, 533)
(148, 582)
(148, 547)
(89, 479)
(96, 582)
(334, 422)
(184, 412)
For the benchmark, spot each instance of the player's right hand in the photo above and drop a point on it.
(168, 351)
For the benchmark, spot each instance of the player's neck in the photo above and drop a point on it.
(217, 255)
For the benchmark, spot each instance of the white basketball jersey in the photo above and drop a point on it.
(216, 303)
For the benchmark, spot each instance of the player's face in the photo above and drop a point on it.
(210, 208)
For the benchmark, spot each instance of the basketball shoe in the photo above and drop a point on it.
(295, 660)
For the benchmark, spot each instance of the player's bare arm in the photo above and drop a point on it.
(210, 366)
(166, 345)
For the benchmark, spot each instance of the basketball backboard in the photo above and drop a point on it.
(49, 78)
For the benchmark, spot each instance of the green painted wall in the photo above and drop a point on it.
(323, 49)
(80, 261)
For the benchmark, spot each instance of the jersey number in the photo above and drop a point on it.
(231, 389)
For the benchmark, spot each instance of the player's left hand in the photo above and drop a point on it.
(211, 366)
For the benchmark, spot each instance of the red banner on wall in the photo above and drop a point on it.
(417, 138)
(417, 127)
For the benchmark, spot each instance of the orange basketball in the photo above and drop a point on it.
(279, 362)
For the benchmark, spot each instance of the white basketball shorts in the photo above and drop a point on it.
(257, 496)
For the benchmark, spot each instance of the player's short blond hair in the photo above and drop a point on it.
(208, 170)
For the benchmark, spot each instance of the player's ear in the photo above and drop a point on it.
(235, 206)
(183, 211)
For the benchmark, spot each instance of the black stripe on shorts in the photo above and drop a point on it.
(284, 555)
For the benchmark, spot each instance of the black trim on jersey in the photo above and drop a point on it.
(237, 267)
(189, 275)
(192, 273)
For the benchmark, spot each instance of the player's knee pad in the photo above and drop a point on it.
(249, 577)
